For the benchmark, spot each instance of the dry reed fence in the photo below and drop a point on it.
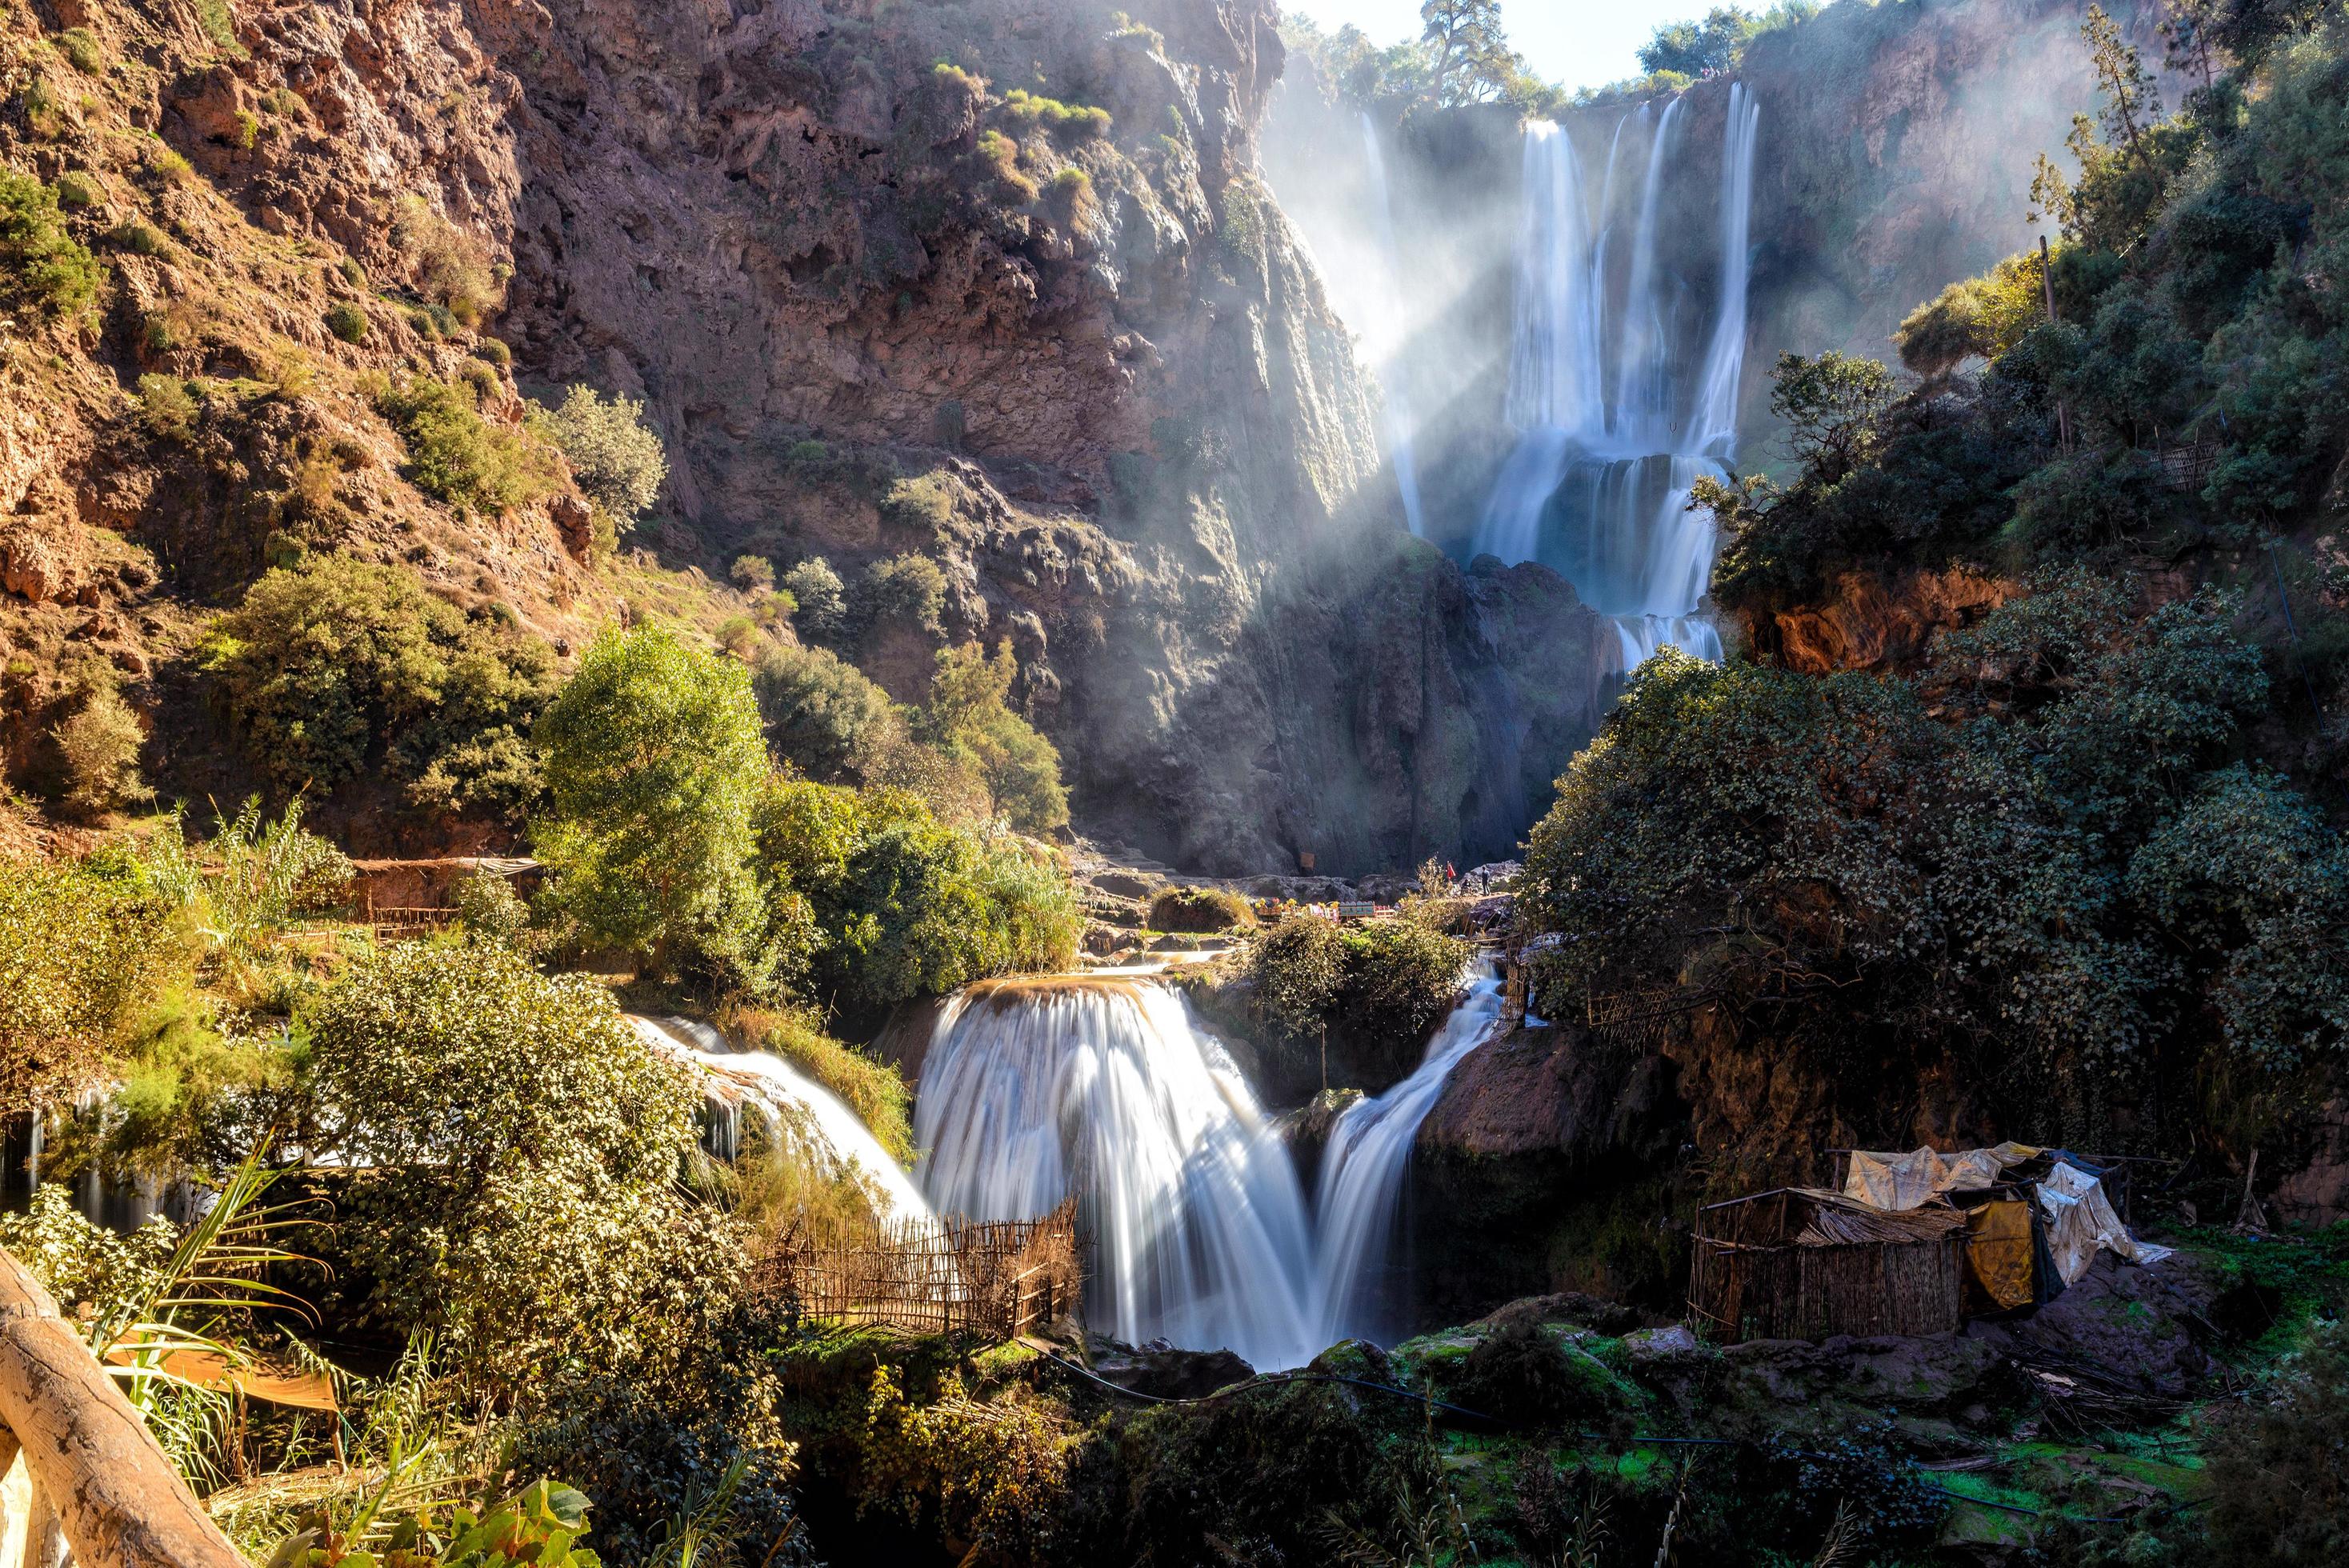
(995, 1279)
(1806, 1264)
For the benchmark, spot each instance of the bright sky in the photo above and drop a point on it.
(1578, 43)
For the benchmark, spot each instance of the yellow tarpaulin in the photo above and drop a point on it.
(1998, 1255)
(293, 1386)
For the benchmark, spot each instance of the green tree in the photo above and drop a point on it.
(80, 944)
(968, 717)
(1471, 60)
(41, 267)
(654, 762)
(822, 598)
(456, 455)
(338, 667)
(822, 716)
(1831, 404)
(1701, 48)
(522, 1145)
(618, 460)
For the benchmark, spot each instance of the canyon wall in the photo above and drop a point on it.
(1087, 369)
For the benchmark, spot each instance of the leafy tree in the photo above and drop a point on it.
(654, 762)
(1701, 48)
(967, 716)
(1973, 318)
(338, 667)
(1831, 406)
(100, 741)
(617, 459)
(822, 716)
(902, 591)
(502, 1116)
(822, 605)
(1471, 60)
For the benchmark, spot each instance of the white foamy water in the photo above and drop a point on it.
(796, 1109)
(1621, 399)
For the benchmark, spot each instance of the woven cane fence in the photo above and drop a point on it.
(991, 1279)
(1802, 1263)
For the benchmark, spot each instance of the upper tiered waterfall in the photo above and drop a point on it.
(1622, 389)
(1399, 430)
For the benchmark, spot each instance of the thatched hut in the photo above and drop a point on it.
(1802, 1263)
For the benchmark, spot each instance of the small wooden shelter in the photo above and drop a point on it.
(1803, 1263)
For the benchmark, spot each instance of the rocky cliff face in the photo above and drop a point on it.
(994, 283)
(1135, 434)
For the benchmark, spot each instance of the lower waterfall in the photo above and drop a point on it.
(1034, 1089)
(1110, 1089)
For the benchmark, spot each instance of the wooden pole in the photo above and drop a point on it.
(120, 1502)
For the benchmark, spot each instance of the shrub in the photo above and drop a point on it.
(1074, 121)
(907, 905)
(80, 49)
(76, 192)
(924, 505)
(166, 407)
(816, 589)
(494, 351)
(617, 459)
(1199, 909)
(347, 321)
(752, 573)
(100, 741)
(41, 267)
(1974, 318)
(967, 717)
(213, 16)
(450, 267)
(137, 238)
(1000, 155)
(1072, 188)
(338, 667)
(1297, 968)
(1530, 1373)
(906, 591)
(80, 945)
(822, 716)
(456, 455)
(491, 912)
(503, 1115)
(480, 378)
(1373, 991)
(654, 763)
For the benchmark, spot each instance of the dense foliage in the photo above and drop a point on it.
(337, 668)
(968, 718)
(653, 758)
(619, 461)
(77, 946)
(41, 267)
(503, 1116)
(457, 456)
(905, 904)
(822, 716)
(1372, 992)
(2046, 853)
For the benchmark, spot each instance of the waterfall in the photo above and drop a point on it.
(1610, 434)
(794, 1109)
(1109, 1088)
(1398, 421)
(1363, 1168)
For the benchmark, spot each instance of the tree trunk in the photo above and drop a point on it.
(86, 1452)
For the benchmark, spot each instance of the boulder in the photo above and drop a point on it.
(1159, 1369)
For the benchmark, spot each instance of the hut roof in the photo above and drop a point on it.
(1815, 1217)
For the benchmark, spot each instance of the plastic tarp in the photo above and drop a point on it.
(1898, 1182)
(2080, 1219)
(1999, 1256)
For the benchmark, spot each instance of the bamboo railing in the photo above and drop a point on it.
(101, 1494)
(995, 1279)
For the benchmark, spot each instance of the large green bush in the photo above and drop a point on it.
(823, 717)
(455, 455)
(618, 460)
(907, 905)
(520, 1145)
(1372, 992)
(81, 945)
(41, 267)
(337, 668)
(654, 763)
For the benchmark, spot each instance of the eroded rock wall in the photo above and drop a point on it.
(832, 252)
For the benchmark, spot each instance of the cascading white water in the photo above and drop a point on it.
(1034, 1089)
(1362, 1171)
(795, 1109)
(1611, 434)
(1399, 425)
